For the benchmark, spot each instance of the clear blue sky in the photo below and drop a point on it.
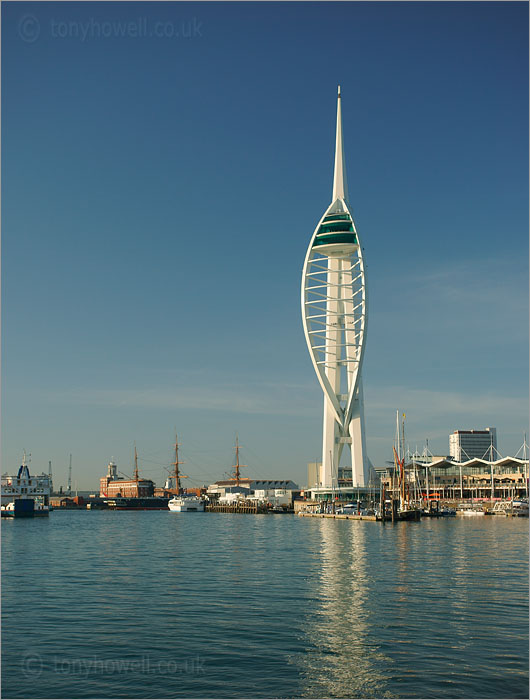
(159, 193)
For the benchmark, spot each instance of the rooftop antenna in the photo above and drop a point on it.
(70, 476)
(237, 466)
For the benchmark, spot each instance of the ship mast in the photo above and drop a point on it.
(178, 475)
(237, 466)
(399, 457)
(136, 468)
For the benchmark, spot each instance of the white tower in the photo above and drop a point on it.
(334, 313)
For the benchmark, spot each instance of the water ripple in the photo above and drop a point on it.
(157, 605)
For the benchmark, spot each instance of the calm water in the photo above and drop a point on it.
(153, 605)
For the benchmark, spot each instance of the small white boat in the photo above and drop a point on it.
(469, 509)
(520, 507)
(186, 504)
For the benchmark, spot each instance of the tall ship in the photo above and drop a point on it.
(183, 502)
(407, 510)
(121, 493)
(25, 496)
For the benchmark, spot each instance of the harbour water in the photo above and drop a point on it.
(164, 605)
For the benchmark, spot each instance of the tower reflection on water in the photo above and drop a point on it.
(343, 658)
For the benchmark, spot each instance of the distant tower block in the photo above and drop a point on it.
(471, 444)
(334, 314)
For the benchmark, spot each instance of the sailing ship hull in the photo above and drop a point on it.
(154, 503)
(400, 514)
(409, 514)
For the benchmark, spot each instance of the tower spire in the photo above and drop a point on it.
(340, 186)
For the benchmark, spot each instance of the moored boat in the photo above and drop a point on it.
(407, 510)
(469, 509)
(520, 507)
(148, 503)
(186, 504)
(437, 512)
(23, 495)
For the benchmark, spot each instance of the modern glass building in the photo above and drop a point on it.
(468, 444)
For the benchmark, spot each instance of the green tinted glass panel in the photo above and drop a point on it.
(322, 239)
(336, 226)
(337, 217)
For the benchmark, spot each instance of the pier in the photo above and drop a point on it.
(235, 508)
(338, 516)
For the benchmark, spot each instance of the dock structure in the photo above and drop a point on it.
(235, 508)
(338, 516)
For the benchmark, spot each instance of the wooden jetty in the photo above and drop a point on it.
(338, 516)
(235, 508)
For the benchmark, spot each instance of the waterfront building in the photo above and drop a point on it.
(68, 501)
(313, 474)
(344, 476)
(444, 478)
(468, 444)
(279, 492)
(334, 314)
(114, 486)
(276, 491)
(224, 486)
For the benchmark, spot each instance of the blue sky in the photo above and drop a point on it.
(159, 193)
